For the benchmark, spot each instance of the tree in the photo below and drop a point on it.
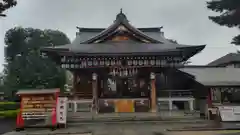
(6, 4)
(229, 14)
(25, 68)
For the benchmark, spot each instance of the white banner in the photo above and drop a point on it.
(62, 110)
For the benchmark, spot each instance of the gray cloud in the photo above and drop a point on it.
(184, 20)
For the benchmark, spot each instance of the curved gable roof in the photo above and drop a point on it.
(121, 20)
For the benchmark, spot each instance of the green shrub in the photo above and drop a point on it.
(4, 106)
(9, 113)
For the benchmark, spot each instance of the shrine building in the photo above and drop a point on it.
(127, 69)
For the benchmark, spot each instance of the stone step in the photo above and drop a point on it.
(138, 121)
(114, 117)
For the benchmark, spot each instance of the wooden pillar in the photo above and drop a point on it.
(153, 93)
(209, 97)
(73, 92)
(74, 89)
(95, 93)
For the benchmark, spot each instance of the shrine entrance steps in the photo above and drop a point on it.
(90, 117)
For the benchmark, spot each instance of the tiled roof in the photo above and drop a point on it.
(212, 76)
(37, 91)
(127, 48)
(231, 57)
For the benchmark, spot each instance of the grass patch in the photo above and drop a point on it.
(7, 103)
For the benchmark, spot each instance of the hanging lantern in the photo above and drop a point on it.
(152, 62)
(140, 62)
(134, 62)
(117, 71)
(95, 62)
(126, 72)
(107, 62)
(145, 62)
(130, 62)
(111, 62)
(114, 72)
(101, 63)
(89, 63)
(120, 72)
(85, 63)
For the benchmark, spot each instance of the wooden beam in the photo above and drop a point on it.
(95, 93)
(153, 93)
(74, 90)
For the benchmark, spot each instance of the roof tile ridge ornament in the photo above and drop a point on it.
(121, 17)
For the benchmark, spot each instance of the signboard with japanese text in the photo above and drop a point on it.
(37, 106)
(229, 113)
(62, 110)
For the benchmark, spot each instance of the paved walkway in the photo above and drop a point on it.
(120, 129)
(7, 125)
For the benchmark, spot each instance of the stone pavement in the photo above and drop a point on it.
(120, 129)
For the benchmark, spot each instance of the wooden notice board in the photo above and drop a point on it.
(37, 104)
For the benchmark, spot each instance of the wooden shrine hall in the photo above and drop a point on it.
(116, 67)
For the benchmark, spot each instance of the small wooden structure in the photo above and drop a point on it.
(37, 105)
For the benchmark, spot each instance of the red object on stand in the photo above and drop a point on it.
(31, 96)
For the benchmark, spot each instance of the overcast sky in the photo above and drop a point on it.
(183, 20)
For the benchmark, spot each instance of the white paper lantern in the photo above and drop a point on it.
(90, 63)
(145, 62)
(95, 62)
(101, 63)
(107, 62)
(152, 62)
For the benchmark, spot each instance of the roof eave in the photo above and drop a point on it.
(190, 51)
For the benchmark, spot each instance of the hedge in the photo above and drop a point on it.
(9, 113)
(5, 106)
(9, 109)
